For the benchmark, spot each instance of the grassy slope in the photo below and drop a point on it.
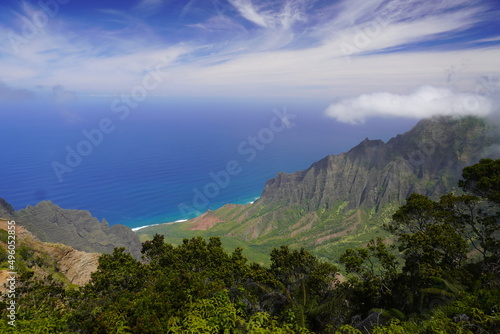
(331, 232)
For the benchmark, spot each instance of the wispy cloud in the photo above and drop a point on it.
(345, 48)
(262, 15)
(148, 7)
(249, 12)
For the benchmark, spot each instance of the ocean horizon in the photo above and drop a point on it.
(170, 159)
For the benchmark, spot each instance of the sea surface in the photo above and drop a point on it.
(164, 159)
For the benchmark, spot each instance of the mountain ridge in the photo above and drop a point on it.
(44, 259)
(75, 228)
(421, 152)
(349, 193)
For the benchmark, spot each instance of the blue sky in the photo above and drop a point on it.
(368, 57)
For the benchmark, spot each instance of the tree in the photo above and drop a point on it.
(372, 273)
(480, 211)
(429, 238)
(483, 179)
(305, 282)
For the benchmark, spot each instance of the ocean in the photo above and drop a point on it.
(165, 159)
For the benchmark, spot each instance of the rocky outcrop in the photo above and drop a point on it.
(6, 210)
(76, 228)
(76, 266)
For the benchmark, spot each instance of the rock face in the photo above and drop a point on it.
(76, 266)
(427, 160)
(76, 228)
(6, 210)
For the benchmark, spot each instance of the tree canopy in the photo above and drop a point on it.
(439, 272)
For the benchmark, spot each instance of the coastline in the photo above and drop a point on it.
(135, 229)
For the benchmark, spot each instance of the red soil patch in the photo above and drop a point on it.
(204, 222)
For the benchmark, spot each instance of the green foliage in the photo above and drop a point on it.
(439, 273)
(303, 282)
(4, 256)
(346, 329)
(483, 179)
(198, 287)
(4, 236)
(434, 239)
(372, 272)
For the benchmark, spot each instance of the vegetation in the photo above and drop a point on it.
(438, 273)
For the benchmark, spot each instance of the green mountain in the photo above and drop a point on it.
(342, 200)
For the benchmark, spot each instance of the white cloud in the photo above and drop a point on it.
(278, 56)
(425, 102)
(290, 13)
(380, 33)
(247, 10)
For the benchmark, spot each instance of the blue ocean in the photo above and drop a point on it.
(165, 159)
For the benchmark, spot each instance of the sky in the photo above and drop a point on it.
(368, 58)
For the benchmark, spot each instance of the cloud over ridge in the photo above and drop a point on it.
(426, 101)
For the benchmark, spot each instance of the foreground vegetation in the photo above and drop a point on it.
(438, 273)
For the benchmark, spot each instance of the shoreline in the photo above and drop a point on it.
(135, 229)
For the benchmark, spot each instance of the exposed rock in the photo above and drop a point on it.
(76, 266)
(77, 228)
(6, 210)
(428, 160)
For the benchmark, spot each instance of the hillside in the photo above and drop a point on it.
(60, 262)
(76, 228)
(342, 200)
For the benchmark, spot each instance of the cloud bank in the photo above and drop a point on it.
(426, 101)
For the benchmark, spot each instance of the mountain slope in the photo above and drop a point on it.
(62, 262)
(342, 200)
(76, 228)
(427, 160)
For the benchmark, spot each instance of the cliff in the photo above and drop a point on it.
(427, 160)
